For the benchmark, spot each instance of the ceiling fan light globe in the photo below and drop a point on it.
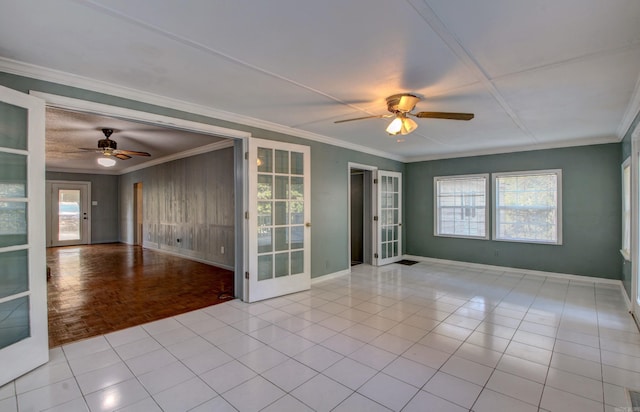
(106, 161)
(408, 125)
(395, 127)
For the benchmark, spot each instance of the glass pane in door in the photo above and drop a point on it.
(13, 209)
(14, 321)
(13, 128)
(68, 214)
(15, 272)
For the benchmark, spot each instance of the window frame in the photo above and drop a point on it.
(626, 213)
(496, 205)
(436, 214)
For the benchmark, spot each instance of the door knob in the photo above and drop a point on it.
(308, 224)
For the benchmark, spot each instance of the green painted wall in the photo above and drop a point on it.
(591, 212)
(329, 170)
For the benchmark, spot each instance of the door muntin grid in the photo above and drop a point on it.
(280, 222)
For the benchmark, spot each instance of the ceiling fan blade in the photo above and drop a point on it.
(444, 115)
(377, 116)
(132, 152)
(122, 156)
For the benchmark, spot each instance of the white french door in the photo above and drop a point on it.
(23, 294)
(279, 219)
(389, 217)
(634, 241)
(70, 213)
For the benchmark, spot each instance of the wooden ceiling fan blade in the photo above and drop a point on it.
(122, 156)
(444, 115)
(377, 116)
(133, 153)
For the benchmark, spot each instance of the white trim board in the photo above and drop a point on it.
(567, 276)
(330, 276)
(195, 259)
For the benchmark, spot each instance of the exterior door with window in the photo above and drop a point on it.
(279, 219)
(70, 213)
(23, 285)
(389, 217)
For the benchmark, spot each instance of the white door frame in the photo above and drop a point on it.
(373, 201)
(635, 221)
(241, 261)
(85, 222)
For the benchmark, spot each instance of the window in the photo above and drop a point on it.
(528, 206)
(461, 206)
(626, 209)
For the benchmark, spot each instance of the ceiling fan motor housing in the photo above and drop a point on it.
(107, 144)
(403, 103)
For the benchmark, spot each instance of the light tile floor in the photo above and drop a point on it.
(428, 337)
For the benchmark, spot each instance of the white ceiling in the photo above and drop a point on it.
(536, 74)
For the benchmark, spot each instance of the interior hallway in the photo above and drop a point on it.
(427, 337)
(99, 289)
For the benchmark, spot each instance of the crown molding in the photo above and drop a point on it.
(55, 76)
(551, 145)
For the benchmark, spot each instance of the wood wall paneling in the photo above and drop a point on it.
(190, 199)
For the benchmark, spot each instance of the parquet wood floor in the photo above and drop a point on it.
(99, 289)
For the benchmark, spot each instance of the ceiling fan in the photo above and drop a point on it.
(109, 148)
(400, 106)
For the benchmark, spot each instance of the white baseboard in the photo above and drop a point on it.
(195, 259)
(330, 276)
(627, 301)
(567, 276)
